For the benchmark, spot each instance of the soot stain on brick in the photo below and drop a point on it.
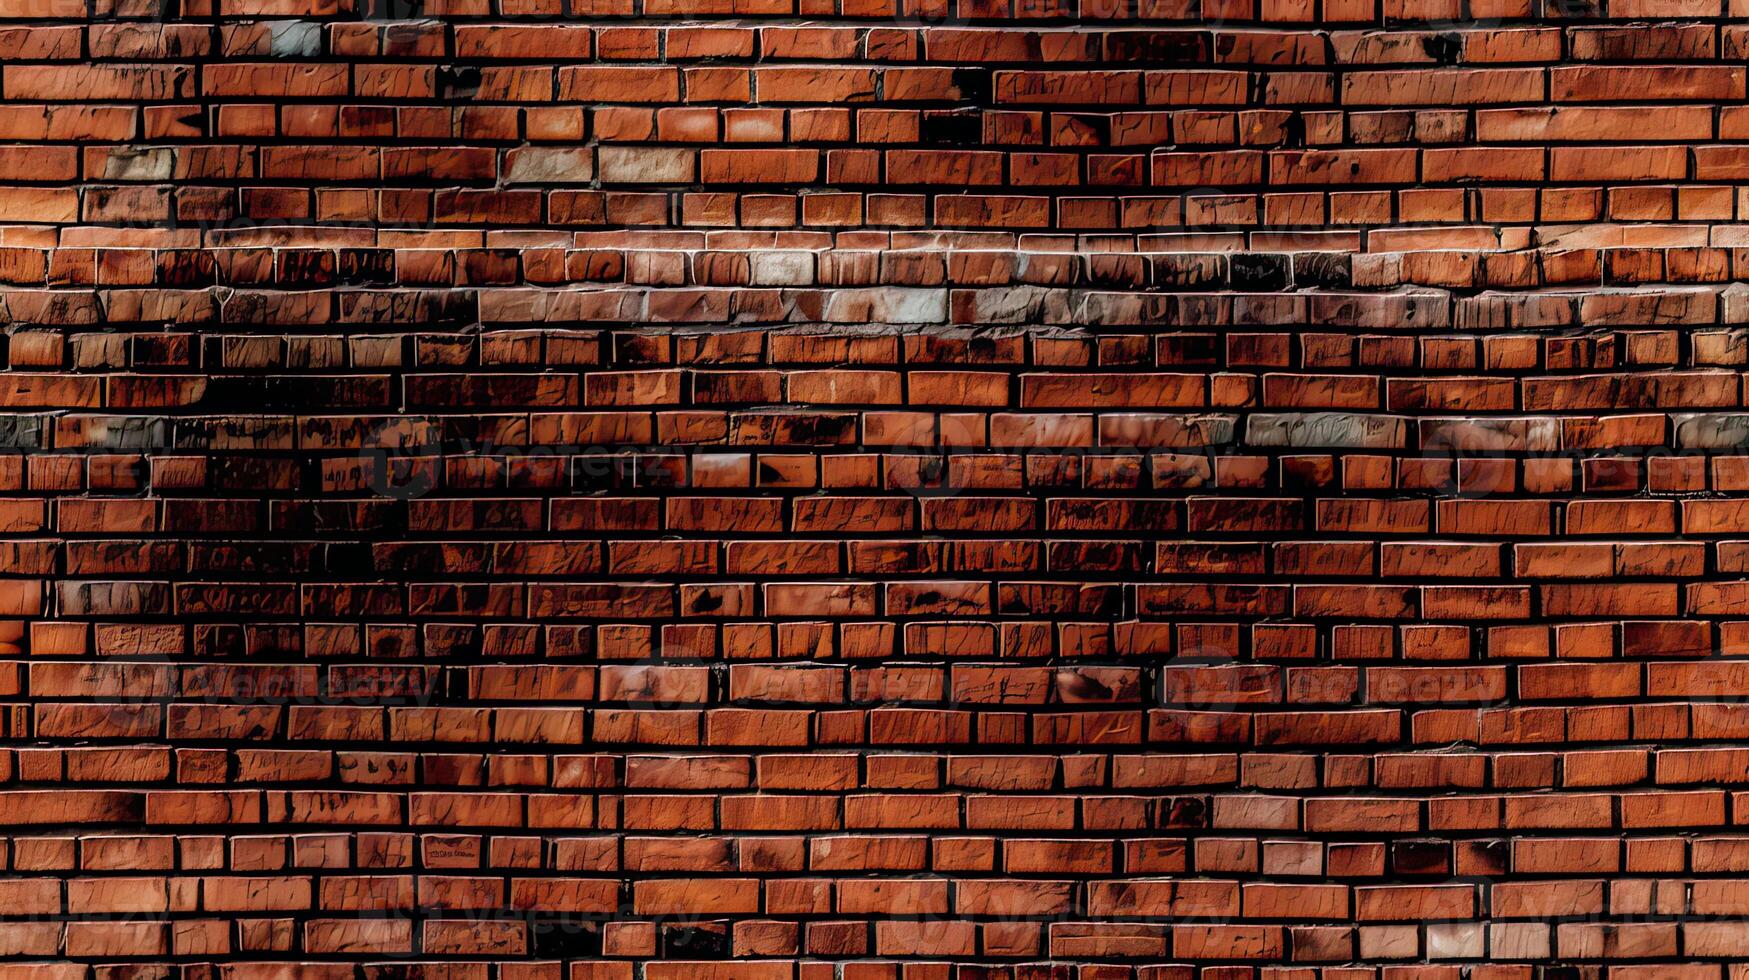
(963, 128)
(1445, 48)
(974, 85)
(1259, 271)
(559, 937)
(458, 82)
(698, 941)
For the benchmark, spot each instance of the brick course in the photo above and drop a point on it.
(874, 490)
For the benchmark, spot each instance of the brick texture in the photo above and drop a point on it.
(874, 490)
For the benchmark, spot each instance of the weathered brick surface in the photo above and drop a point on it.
(874, 490)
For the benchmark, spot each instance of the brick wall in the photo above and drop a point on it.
(872, 490)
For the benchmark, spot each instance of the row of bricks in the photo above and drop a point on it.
(1548, 472)
(969, 595)
(929, 356)
(27, 855)
(1442, 941)
(1207, 856)
(400, 935)
(552, 968)
(181, 82)
(1092, 774)
(811, 515)
(883, 237)
(873, 396)
(813, 640)
(877, 969)
(1550, 725)
(1476, 43)
(874, 389)
(968, 685)
(852, 600)
(1111, 469)
(870, 390)
(927, 11)
(674, 447)
(812, 259)
(932, 358)
(1419, 167)
(1010, 941)
(1211, 224)
(850, 305)
(671, 165)
(1122, 11)
(183, 154)
(721, 896)
(969, 388)
(900, 515)
(1207, 173)
(956, 484)
(390, 935)
(1382, 220)
(632, 601)
(1027, 640)
(914, 813)
(602, 434)
(1247, 685)
(763, 938)
(1136, 42)
(935, 900)
(1009, 899)
(890, 305)
(591, 441)
(1194, 220)
(890, 557)
(681, 692)
(1642, 809)
(844, 264)
(1577, 261)
(1682, 264)
(674, 686)
(1084, 943)
(183, 128)
(805, 639)
(1185, 219)
(602, 450)
(154, 207)
(474, 41)
(460, 209)
(828, 83)
(1257, 682)
(1081, 944)
(989, 257)
(840, 266)
(981, 356)
(936, 812)
(729, 727)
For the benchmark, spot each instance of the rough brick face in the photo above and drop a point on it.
(874, 490)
